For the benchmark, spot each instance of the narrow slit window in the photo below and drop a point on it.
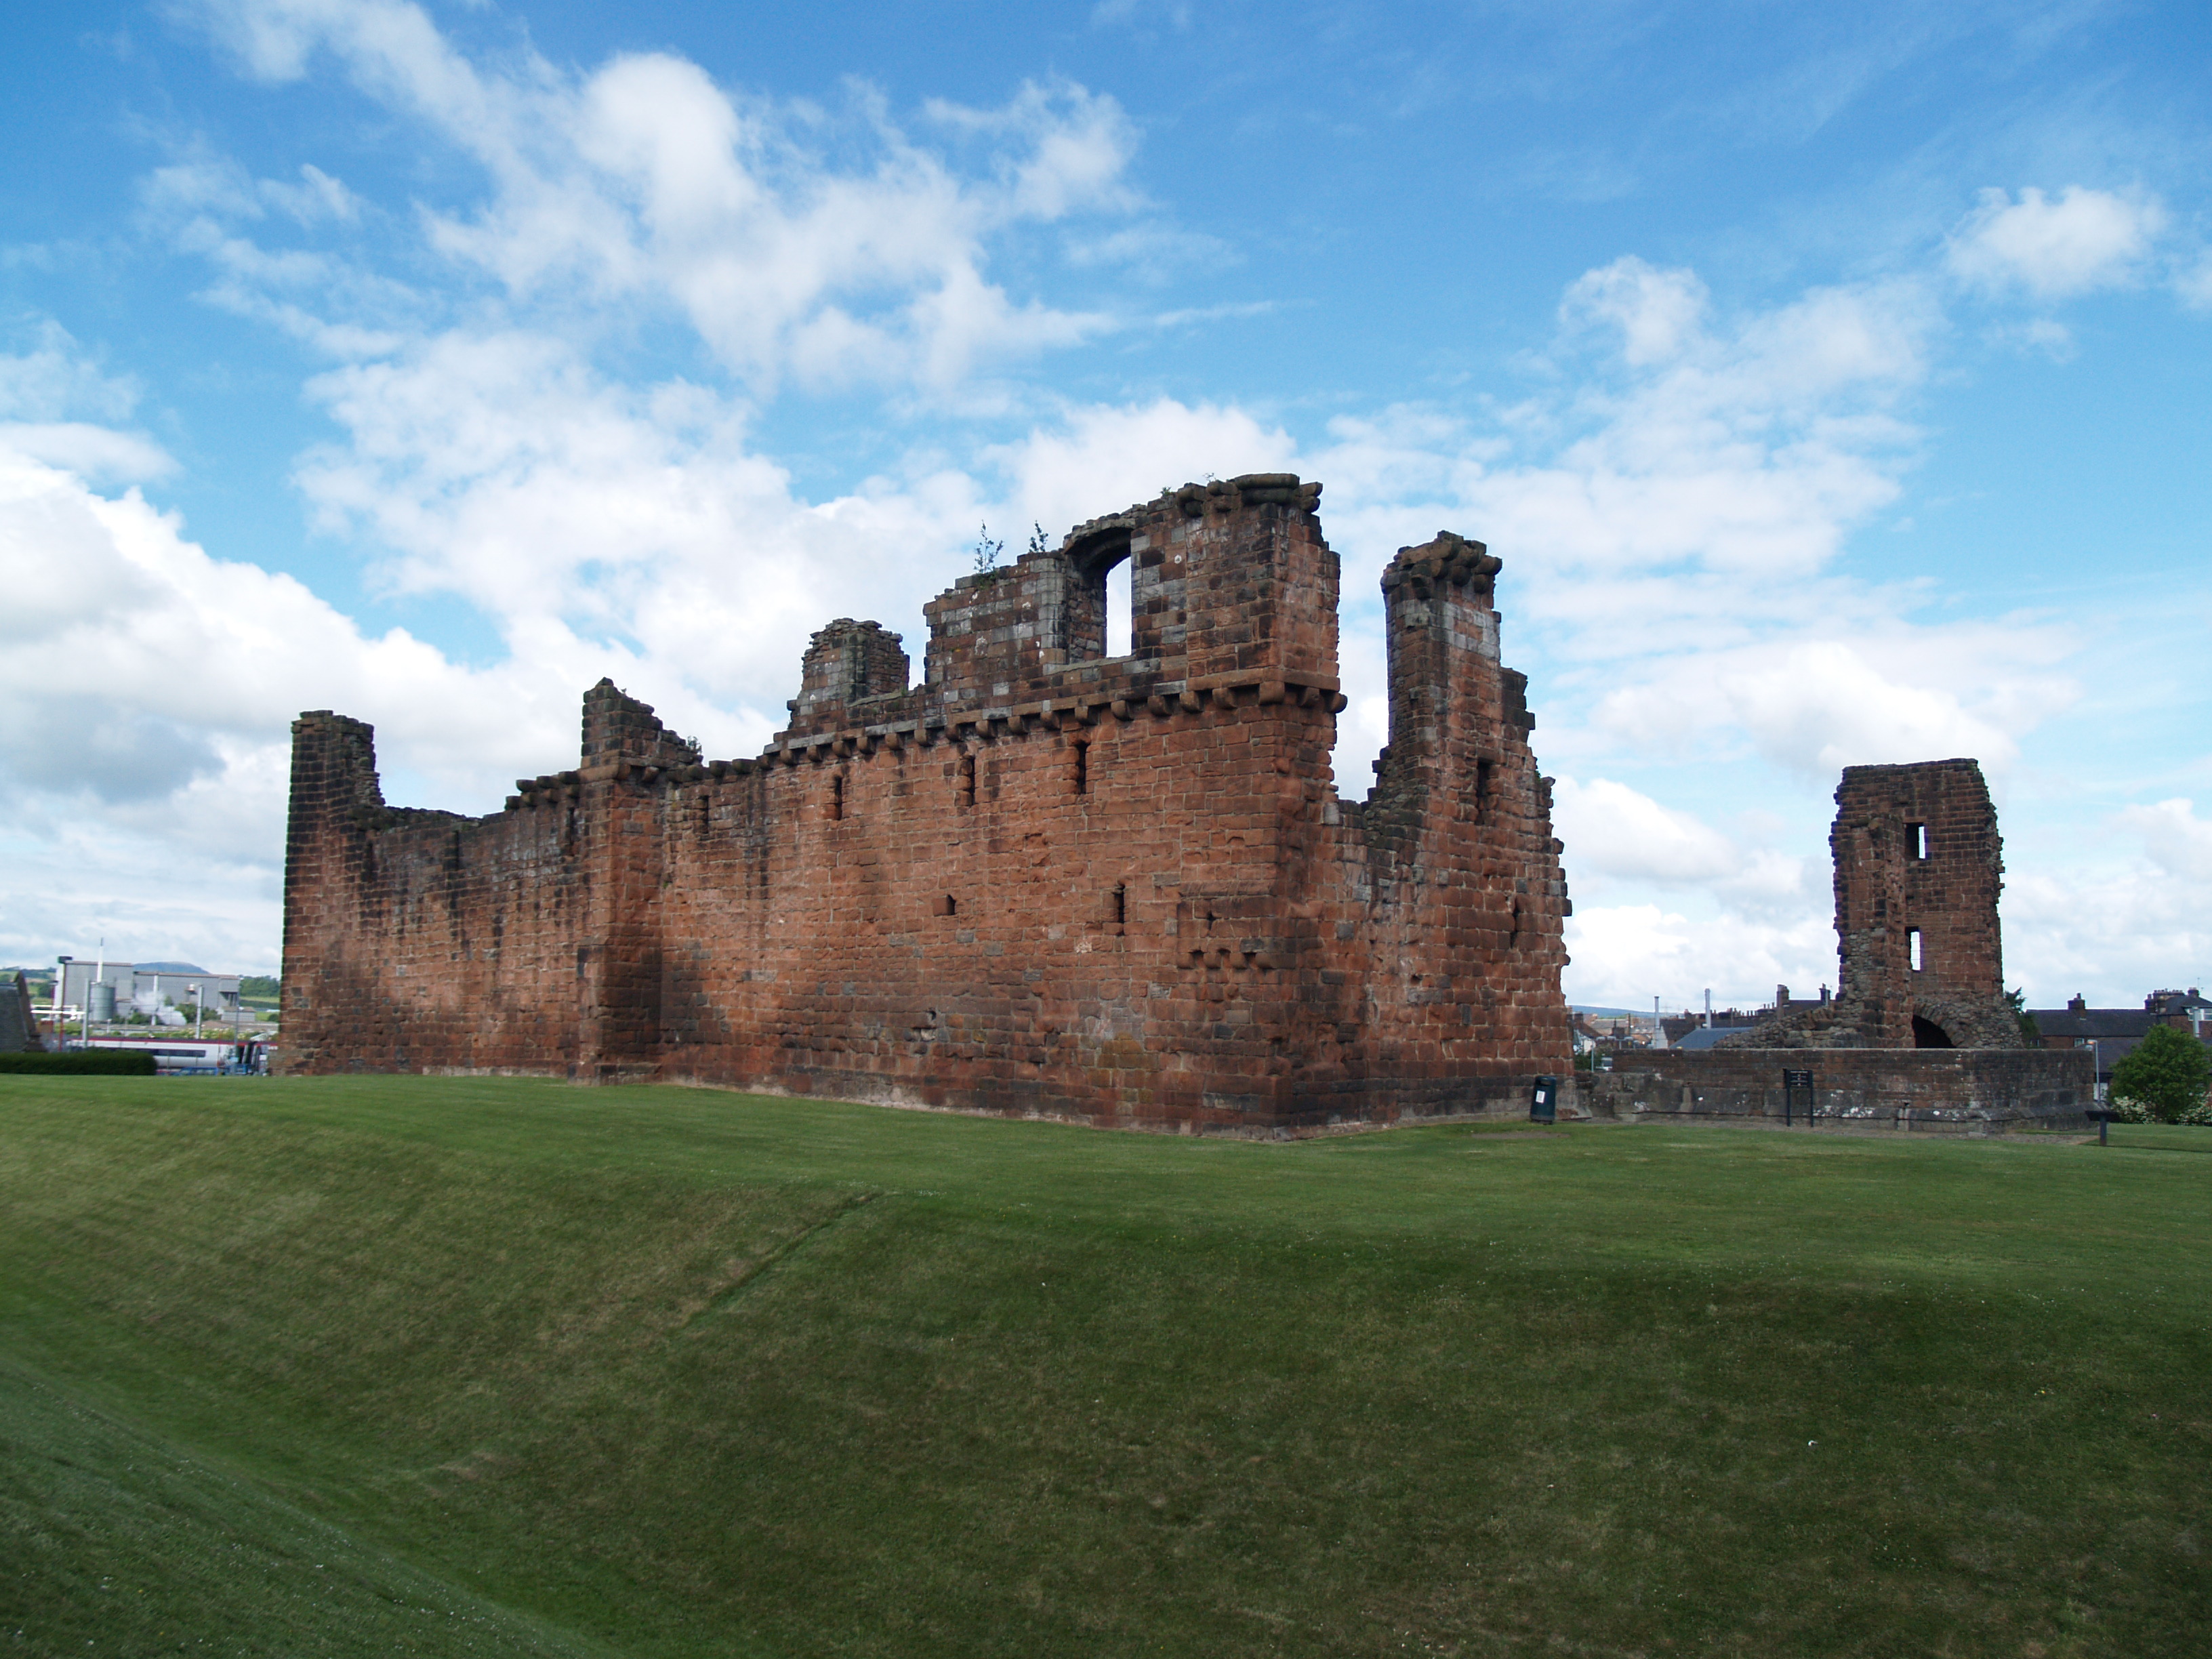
(1916, 837)
(1912, 944)
(837, 797)
(1121, 904)
(1484, 782)
(1120, 609)
(1080, 768)
(967, 779)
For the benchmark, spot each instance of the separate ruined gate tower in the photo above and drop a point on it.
(1041, 880)
(1918, 868)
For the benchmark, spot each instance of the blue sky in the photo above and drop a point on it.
(1833, 388)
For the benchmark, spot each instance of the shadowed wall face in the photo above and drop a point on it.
(1041, 880)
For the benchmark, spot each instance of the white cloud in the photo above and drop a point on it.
(1815, 705)
(2137, 918)
(2176, 841)
(1624, 955)
(1658, 313)
(1748, 450)
(55, 380)
(143, 746)
(1101, 459)
(204, 183)
(1619, 831)
(2055, 249)
(94, 452)
(646, 180)
(565, 506)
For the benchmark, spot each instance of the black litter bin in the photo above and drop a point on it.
(1544, 1101)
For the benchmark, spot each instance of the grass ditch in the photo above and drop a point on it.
(658, 1371)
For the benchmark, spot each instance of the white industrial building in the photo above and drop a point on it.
(143, 988)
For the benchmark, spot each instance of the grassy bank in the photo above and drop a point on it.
(659, 1372)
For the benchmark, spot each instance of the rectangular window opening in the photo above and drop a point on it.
(1912, 945)
(1121, 904)
(1916, 837)
(836, 798)
(1121, 611)
(1483, 784)
(1079, 770)
(967, 779)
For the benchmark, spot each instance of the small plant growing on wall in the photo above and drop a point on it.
(987, 550)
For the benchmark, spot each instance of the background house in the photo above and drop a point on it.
(2111, 1034)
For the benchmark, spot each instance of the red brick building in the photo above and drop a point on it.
(1042, 880)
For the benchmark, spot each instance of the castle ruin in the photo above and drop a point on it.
(1041, 881)
(1918, 866)
(1919, 1037)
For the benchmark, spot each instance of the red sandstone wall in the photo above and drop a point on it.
(1040, 881)
(1884, 892)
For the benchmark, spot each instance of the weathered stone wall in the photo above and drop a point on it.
(1963, 1091)
(1917, 855)
(1041, 880)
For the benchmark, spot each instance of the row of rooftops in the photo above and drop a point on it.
(2077, 1021)
(2114, 1031)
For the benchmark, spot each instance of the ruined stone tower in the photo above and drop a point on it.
(1918, 866)
(1041, 880)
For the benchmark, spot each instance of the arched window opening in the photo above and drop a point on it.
(1926, 1034)
(1099, 619)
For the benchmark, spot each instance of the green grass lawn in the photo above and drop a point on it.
(495, 1366)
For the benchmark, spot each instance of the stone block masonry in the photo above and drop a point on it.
(1040, 881)
(1973, 1092)
(1919, 867)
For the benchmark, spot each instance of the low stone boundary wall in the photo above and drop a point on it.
(1940, 1091)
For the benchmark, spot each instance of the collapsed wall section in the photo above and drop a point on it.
(1039, 880)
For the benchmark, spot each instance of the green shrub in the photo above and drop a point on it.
(83, 1062)
(2168, 1071)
